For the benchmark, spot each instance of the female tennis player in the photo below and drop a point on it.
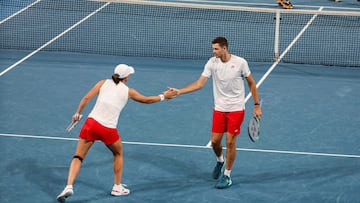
(101, 124)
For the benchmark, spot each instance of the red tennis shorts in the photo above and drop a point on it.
(92, 130)
(227, 121)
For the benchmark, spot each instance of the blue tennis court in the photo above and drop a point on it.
(308, 149)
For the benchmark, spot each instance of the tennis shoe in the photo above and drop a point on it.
(67, 192)
(119, 190)
(224, 182)
(217, 170)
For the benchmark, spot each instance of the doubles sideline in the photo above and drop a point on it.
(191, 146)
(53, 39)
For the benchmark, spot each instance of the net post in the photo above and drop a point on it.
(277, 36)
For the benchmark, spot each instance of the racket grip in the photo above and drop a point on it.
(73, 124)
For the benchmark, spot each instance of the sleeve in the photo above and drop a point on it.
(207, 69)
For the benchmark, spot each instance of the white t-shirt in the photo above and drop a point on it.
(111, 100)
(228, 82)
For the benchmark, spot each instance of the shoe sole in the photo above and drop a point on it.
(63, 198)
(115, 195)
(119, 194)
(224, 186)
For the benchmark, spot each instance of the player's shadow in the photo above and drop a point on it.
(49, 178)
(43, 176)
(320, 173)
(171, 174)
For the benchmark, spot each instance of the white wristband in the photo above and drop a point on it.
(162, 97)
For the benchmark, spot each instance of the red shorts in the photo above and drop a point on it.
(92, 130)
(227, 122)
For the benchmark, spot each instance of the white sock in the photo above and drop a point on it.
(69, 186)
(220, 158)
(227, 172)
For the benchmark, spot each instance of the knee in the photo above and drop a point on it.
(230, 144)
(117, 152)
(215, 144)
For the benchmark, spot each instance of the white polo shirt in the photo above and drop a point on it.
(111, 100)
(228, 82)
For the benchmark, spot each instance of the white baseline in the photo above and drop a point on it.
(191, 146)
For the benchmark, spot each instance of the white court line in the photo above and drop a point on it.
(54, 39)
(192, 146)
(280, 58)
(20, 11)
(284, 53)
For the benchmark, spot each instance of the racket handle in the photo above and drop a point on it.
(73, 124)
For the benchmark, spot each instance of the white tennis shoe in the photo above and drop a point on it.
(119, 190)
(67, 192)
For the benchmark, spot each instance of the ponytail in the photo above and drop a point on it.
(115, 78)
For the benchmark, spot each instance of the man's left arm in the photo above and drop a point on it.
(253, 89)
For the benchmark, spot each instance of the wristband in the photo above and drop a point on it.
(162, 97)
(257, 104)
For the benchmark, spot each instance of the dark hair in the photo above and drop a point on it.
(222, 41)
(116, 79)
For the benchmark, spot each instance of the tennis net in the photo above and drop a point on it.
(182, 30)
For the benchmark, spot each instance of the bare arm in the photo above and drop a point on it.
(253, 89)
(198, 84)
(136, 96)
(85, 100)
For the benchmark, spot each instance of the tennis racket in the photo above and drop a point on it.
(73, 124)
(254, 127)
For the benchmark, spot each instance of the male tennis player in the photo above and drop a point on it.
(229, 72)
(102, 122)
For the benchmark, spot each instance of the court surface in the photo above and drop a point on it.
(308, 150)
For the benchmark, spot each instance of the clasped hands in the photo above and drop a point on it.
(171, 93)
